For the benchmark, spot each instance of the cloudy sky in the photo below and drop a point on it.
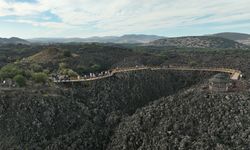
(85, 18)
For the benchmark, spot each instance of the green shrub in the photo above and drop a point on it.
(66, 53)
(36, 68)
(39, 77)
(193, 63)
(82, 69)
(10, 71)
(95, 67)
(62, 66)
(46, 71)
(28, 74)
(20, 80)
(72, 73)
(68, 72)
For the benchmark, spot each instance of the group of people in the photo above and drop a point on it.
(61, 78)
(95, 75)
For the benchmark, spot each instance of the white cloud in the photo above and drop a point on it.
(40, 24)
(121, 16)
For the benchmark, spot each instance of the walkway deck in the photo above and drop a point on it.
(235, 74)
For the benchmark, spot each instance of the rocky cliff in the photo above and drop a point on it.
(81, 116)
(191, 119)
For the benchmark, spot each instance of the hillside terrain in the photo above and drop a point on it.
(191, 119)
(239, 37)
(10, 53)
(81, 117)
(146, 109)
(198, 42)
(88, 58)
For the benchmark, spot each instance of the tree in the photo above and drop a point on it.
(68, 72)
(20, 80)
(72, 73)
(193, 63)
(82, 70)
(36, 68)
(95, 67)
(39, 77)
(46, 71)
(62, 66)
(66, 53)
(10, 71)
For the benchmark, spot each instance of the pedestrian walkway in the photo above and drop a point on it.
(235, 74)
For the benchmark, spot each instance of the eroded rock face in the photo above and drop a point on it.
(82, 117)
(189, 120)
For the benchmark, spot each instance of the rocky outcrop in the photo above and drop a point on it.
(192, 119)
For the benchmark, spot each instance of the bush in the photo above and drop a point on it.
(72, 73)
(10, 71)
(82, 70)
(36, 68)
(95, 67)
(46, 71)
(62, 66)
(193, 63)
(39, 77)
(20, 80)
(66, 53)
(68, 72)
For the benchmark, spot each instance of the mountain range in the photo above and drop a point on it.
(131, 38)
(219, 40)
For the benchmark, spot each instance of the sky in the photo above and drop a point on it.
(87, 18)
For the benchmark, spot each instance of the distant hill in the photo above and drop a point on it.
(13, 40)
(197, 42)
(47, 55)
(239, 37)
(131, 38)
(233, 36)
(84, 58)
(89, 57)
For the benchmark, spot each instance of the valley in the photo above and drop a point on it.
(124, 75)
(99, 96)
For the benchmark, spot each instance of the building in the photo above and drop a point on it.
(220, 83)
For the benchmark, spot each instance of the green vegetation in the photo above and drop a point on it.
(193, 63)
(95, 67)
(46, 71)
(20, 80)
(78, 59)
(12, 53)
(68, 72)
(62, 66)
(67, 53)
(82, 70)
(10, 71)
(36, 68)
(46, 116)
(40, 77)
(64, 70)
